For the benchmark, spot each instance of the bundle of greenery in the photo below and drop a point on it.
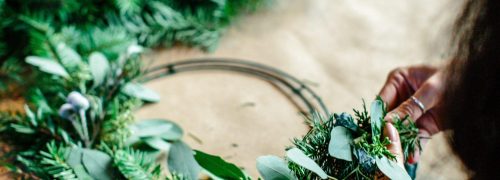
(343, 147)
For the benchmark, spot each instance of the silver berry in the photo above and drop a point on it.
(66, 110)
(78, 101)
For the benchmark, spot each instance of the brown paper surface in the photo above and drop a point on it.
(346, 47)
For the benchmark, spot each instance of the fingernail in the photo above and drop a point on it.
(391, 132)
(413, 158)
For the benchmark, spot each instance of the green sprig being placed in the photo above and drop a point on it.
(343, 147)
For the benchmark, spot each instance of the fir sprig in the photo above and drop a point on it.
(53, 162)
(136, 165)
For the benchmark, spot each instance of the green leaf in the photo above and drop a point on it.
(74, 157)
(298, 157)
(141, 92)
(181, 160)
(97, 163)
(74, 160)
(69, 57)
(165, 129)
(216, 166)
(274, 168)
(376, 113)
(81, 173)
(391, 169)
(157, 143)
(47, 65)
(340, 143)
(31, 116)
(134, 49)
(22, 129)
(99, 67)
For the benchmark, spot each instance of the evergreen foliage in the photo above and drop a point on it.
(84, 72)
(108, 26)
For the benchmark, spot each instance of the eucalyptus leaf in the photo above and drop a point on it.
(157, 143)
(74, 160)
(74, 157)
(216, 166)
(274, 168)
(81, 173)
(165, 129)
(97, 163)
(69, 57)
(132, 140)
(340, 143)
(139, 91)
(99, 67)
(391, 169)
(47, 65)
(298, 157)
(134, 49)
(376, 113)
(181, 160)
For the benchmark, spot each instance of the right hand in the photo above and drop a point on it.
(426, 84)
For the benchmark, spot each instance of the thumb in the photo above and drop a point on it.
(395, 147)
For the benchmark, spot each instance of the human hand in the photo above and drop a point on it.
(425, 84)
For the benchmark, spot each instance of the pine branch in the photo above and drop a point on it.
(53, 162)
(135, 165)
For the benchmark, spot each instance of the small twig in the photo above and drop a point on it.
(115, 87)
(85, 128)
(47, 132)
(198, 140)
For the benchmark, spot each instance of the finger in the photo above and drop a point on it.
(403, 82)
(395, 147)
(428, 94)
(408, 107)
(396, 88)
(429, 122)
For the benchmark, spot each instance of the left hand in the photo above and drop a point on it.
(422, 82)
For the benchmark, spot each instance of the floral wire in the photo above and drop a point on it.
(237, 65)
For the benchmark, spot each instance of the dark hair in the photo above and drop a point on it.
(472, 98)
